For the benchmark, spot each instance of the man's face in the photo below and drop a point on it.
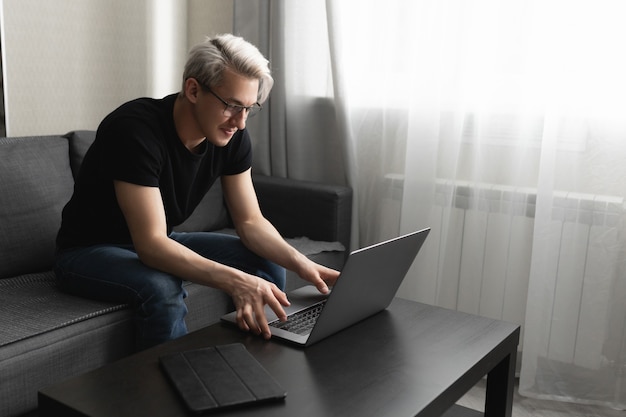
(234, 90)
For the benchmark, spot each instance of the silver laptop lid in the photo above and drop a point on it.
(368, 282)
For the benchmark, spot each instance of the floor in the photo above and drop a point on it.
(529, 407)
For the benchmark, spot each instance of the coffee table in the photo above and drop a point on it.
(409, 360)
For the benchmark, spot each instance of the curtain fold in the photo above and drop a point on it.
(298, 136)
(252, 22)
(499, 124)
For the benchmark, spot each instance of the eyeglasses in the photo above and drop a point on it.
(233, 110)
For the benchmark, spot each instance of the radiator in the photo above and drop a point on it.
(478, 260)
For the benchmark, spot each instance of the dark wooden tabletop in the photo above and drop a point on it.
(409, 360)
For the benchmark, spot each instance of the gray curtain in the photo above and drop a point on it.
(296, 135)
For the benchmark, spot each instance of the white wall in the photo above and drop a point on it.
(208, 18)
(68, 63)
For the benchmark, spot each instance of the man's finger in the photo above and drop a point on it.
(321, 286)
(261, 321)
(249, 320)
(277, 302)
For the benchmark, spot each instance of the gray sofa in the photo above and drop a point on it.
(47, 335)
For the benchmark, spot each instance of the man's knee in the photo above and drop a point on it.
(161, 311)
(164, 291)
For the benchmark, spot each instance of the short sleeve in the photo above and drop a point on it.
(239, 154)
(131, 154)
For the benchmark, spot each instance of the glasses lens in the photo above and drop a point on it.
(254, 110)
(233, 111)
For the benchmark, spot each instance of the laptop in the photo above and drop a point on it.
(368, 282)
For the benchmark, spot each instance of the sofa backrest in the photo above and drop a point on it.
(79, 143)
(35, 183)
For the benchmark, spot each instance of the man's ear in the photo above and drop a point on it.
(192, 89)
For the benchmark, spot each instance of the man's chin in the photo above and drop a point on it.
(221, 141)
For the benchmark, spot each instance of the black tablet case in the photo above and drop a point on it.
(218, 377)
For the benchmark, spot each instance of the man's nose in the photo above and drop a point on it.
(240, 119)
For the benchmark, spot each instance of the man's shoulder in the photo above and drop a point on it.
(145, 107)
(144, 116)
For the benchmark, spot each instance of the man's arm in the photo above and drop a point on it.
(261, 237)
(145, 215)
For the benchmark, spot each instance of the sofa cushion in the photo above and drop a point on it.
(35, 183)
(33, 305)
(47, 336)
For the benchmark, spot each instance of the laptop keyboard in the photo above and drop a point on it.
(301, 322)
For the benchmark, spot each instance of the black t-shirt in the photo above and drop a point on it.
(138, 143)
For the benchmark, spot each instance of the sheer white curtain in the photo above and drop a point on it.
(499, 124)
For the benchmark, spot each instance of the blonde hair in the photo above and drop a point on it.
(207, 61)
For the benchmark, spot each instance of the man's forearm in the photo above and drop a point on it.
(262, 238)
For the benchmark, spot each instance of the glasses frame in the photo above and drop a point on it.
(233, 110)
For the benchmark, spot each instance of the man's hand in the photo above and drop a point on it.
(250, 300)
(318, 275)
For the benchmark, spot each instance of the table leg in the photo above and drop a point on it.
(500, 385)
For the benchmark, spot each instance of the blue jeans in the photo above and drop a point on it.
(114, 273)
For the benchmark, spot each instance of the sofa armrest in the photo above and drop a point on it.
(303, 208)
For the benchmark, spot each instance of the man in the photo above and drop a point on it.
(150, 165)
